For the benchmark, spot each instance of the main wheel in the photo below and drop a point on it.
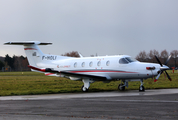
(121, 87)
(141, 88)
(84, 89)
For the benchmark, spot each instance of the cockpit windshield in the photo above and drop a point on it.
(130, 59)
(126, 60)
(123, 61)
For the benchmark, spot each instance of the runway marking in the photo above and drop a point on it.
(156, 101)
(91, 95)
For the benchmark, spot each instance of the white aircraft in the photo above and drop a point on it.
(91, 69)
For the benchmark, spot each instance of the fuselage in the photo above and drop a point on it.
(113, 67)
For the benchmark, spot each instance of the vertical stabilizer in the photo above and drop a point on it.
(34, 54)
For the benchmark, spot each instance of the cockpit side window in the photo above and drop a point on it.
(123, 61)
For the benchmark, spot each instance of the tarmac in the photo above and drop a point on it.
(158, 104)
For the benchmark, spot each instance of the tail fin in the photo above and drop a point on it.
(34, 54)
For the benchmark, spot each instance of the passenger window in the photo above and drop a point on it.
(99, 63)
(123, 61)
(83, 64)
(75, 64)
(108, 63)
(91, 64)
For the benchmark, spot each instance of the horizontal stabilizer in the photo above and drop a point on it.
(27, 43)
(43, 70)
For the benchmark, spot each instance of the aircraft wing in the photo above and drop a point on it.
(68, 73)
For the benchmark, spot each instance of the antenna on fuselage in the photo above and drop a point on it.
(81, 56)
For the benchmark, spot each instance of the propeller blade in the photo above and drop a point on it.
(155, 80)
(163, 68)
(164, 75)
(168, 76)
(158, 76)
(158, 60)
(168, 59)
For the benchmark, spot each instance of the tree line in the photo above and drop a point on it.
(163, 56)
(15, 63)
(20, 63)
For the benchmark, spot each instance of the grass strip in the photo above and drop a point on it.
(33, 83)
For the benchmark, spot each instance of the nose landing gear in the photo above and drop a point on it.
(141, 89)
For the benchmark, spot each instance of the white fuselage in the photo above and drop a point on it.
(108, 66)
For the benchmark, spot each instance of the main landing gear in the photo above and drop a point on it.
(86, 85)
(122, 86)
(84, 89)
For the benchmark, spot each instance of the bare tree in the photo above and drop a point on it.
(142, 56)
(21, 63)
(155, 53)
(71, 54)
(164, 55)
(151, 56)
(174, 55)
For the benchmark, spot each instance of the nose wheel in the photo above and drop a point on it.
(141, 88)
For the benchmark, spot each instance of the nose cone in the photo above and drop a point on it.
(164, 67)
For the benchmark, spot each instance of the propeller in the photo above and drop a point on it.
(163, 68)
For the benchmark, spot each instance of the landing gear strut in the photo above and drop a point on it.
(141, 88)
(124, 83)
(86, 85)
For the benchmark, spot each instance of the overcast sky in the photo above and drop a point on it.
(105, 27)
